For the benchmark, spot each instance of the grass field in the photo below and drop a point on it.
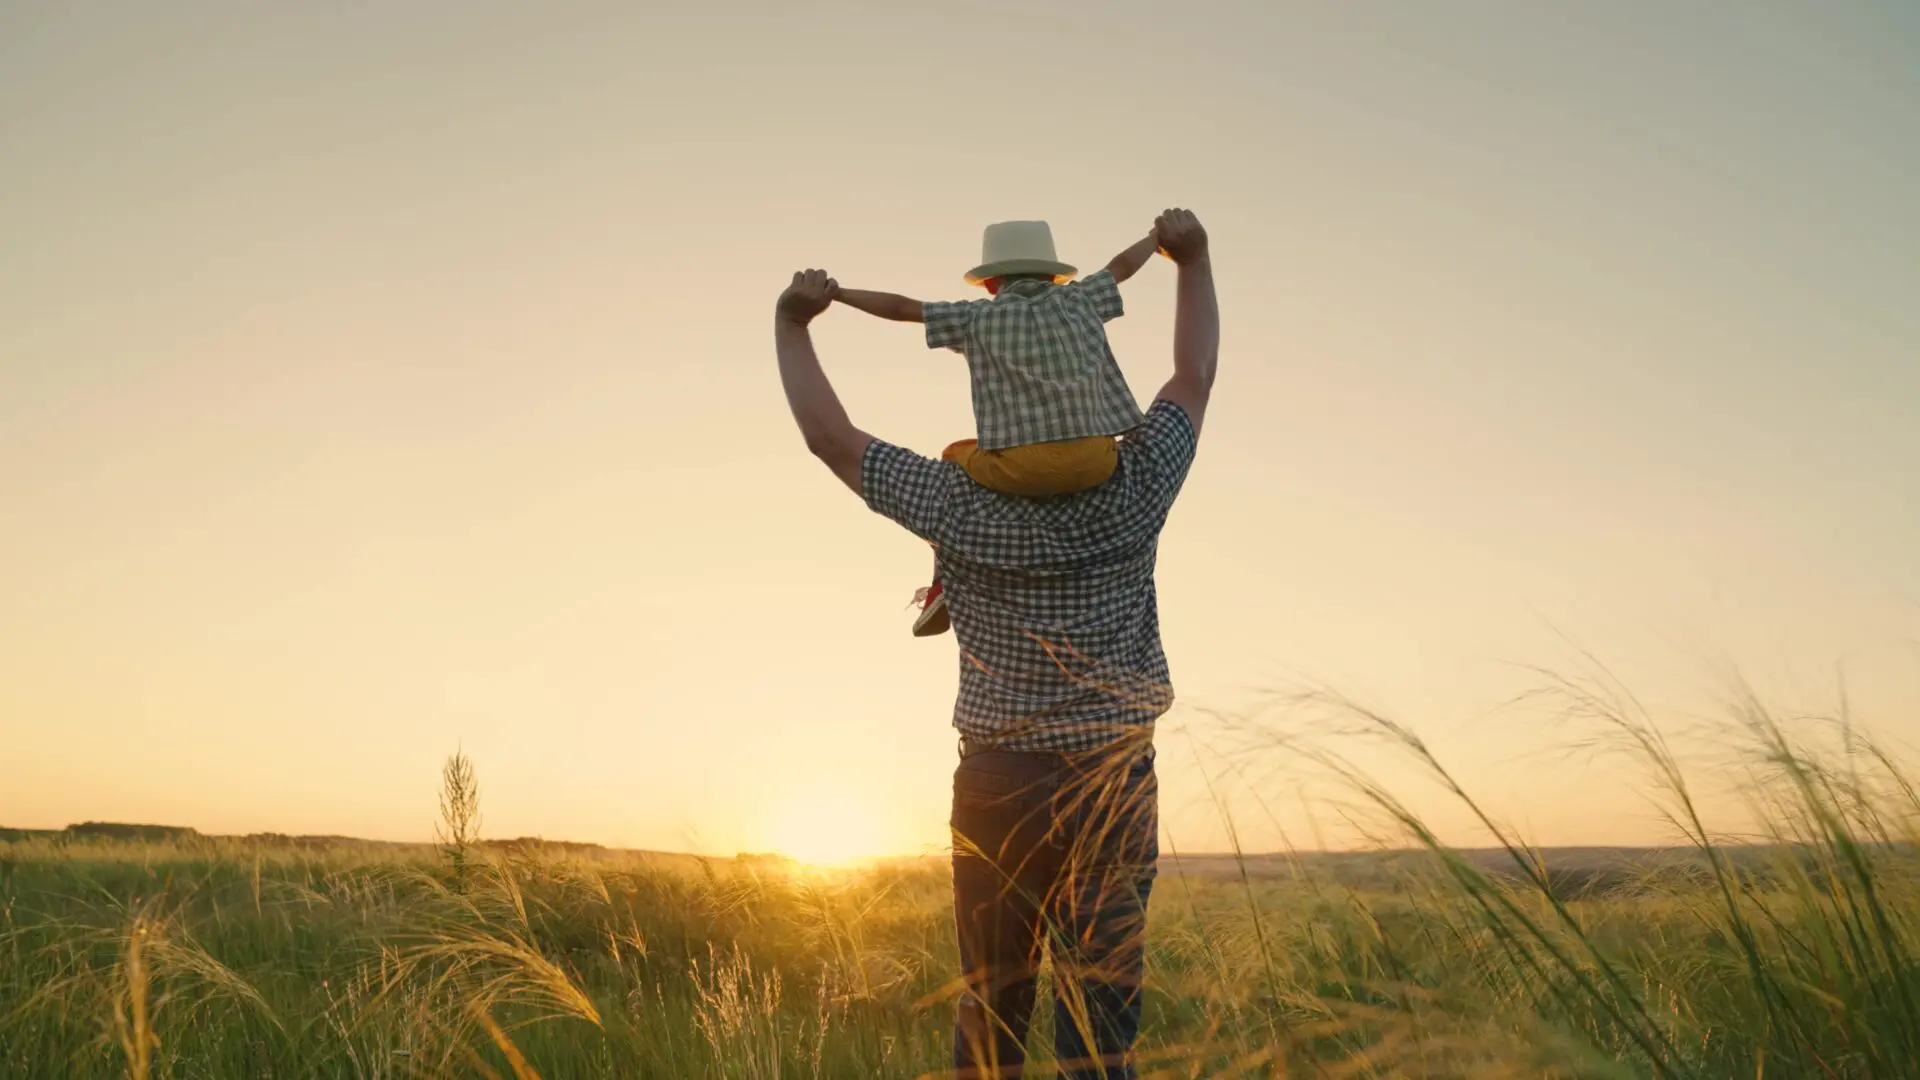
(229, 958)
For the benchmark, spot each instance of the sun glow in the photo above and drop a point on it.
(828, 829)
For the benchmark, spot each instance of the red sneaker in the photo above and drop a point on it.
(933, 618)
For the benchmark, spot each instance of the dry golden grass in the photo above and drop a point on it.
(212, 958)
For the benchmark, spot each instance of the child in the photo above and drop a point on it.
(1047, 396)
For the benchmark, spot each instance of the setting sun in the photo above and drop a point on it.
(828, 829)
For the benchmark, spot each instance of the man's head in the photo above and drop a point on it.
(1014, 250)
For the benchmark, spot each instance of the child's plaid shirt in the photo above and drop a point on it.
(1042, 371)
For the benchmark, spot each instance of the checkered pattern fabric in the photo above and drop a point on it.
(1053, 600)
(1038, 355)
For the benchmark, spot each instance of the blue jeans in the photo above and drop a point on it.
(1056, 852)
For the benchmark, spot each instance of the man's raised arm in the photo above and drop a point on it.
(1196, 314)
(823, 422)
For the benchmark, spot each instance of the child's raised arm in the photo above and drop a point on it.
(1129, 262)
(885, 305)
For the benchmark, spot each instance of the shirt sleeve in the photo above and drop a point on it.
(1161, 450)
(947, 323)
(1103, 292)
(910, 489)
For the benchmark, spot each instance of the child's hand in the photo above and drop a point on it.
(808, 295)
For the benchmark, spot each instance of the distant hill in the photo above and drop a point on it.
(143, 833)
(309, 840)
(1573, 869)
(11, 835)
(537, 843)
(104, 830)
(147, 834)
(114, 830)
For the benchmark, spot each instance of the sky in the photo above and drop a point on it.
(378, 381)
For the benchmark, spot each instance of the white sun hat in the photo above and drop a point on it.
(1018, 247)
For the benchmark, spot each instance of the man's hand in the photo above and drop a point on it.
(809, 295)
(1182, 238)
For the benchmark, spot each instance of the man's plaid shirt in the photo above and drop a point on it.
(1053, 600)
(1039, 360)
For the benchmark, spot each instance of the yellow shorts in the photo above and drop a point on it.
(1037, 469)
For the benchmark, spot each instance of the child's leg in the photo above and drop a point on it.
(959, 452)
(933, 618)
(1034, 470)
(1038, 469)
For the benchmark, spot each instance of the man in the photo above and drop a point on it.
(1055, 802)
